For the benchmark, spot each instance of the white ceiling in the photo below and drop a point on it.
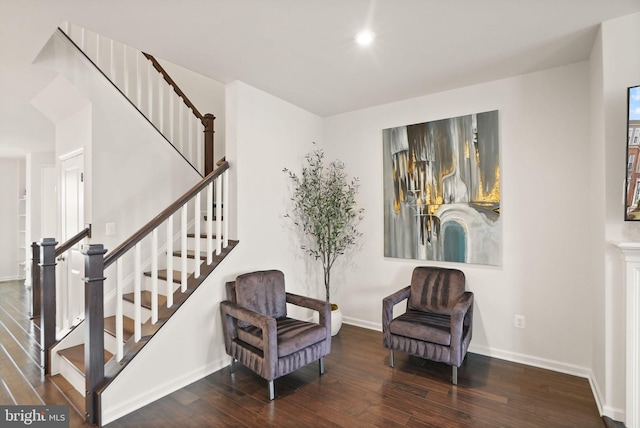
(303, 50)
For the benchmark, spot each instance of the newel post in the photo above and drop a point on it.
(209, 163)
(35, 281)
(94, 328)
(47, 268)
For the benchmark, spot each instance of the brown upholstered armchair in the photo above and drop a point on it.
(438, 322)
(258, 333)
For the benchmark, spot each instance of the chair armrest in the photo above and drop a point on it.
(389, 302)
(460, 312)
(323, 308)
(461, 307)
(307, 302)
(231, 312)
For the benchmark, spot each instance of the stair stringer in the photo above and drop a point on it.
(188, 347)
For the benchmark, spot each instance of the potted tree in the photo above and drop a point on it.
(324, 208)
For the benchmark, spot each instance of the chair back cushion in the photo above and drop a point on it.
(262, 292)
(435, 289)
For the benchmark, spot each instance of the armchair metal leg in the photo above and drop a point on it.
(232, 366)
(322, 365)
(391, 362)
(454, 378)
(271, 391)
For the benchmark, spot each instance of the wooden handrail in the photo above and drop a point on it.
(206, 119)
(157, 220)
(86, 232)
(174, 85)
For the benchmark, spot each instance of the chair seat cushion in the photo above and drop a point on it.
(425, 326)
(293, 335)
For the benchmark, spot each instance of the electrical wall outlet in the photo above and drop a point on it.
(519, 321)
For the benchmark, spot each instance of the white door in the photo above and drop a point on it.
(71, 289)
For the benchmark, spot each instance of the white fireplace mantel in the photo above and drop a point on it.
(631, 252)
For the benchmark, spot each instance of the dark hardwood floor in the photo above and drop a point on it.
(359, 389)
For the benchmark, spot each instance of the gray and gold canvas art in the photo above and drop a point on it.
(442, 190)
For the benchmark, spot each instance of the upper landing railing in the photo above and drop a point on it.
(149, 88)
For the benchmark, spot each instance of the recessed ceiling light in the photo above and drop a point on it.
(364, 38)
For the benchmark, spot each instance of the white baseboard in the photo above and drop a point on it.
(542, 363)
(134, 403)
(614, 413)
(11, 278)
(364, 324)
(597, 394)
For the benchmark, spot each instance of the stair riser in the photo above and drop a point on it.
(128, 309)
(191, 264)
(72, 375)
(191, 243)
(110, 343)
(162, 285)
(203, 227)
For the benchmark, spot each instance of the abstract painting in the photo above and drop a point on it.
(442, 190)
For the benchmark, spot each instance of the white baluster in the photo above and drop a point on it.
(82, 40)
(210, 223)
(113, 71)
(183, 234)
(171, 136)
(170, 261)
(150, 86)
(225, 208)
(160, 104)
(180, 142)
(137, 297)
(66, 304)
(119, 311)
(218, 215)
(139, 59)
(126, 87)
(154, 276)
(197, 214)
(196, 136)
(199, 143)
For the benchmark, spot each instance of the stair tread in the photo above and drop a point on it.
(145, 298)
(127, 326)
(75, 355)
(162, 274)
(190, 254)
(202, 235)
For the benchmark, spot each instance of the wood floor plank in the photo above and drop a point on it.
(20, 387)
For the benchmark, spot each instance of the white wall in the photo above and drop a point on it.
(12, 188)
(544, 140)
(131, 172)
(206, 94)
(35, 162)
(600, 324)
(35, 187)
(620, 39)
(264, 134)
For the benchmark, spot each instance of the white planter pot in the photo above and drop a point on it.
(336, 321)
